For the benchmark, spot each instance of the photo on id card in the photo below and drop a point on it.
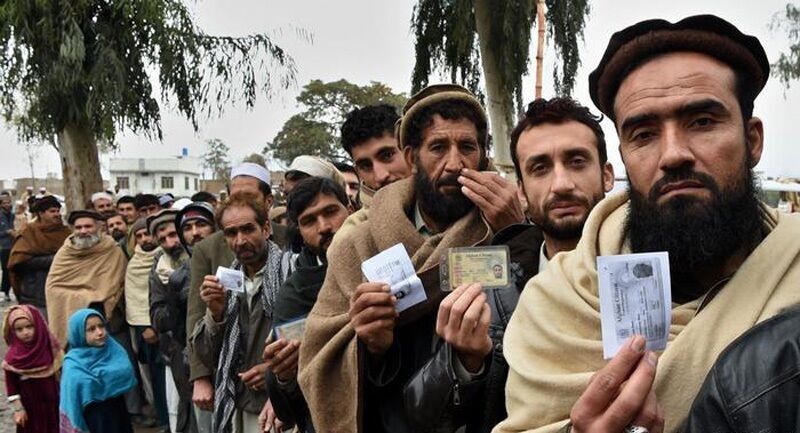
(635, 299)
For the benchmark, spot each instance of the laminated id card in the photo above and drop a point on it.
(487, 265)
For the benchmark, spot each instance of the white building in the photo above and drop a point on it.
(179, 175)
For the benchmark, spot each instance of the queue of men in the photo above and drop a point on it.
(525, 356)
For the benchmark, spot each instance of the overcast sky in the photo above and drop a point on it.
(366, 40)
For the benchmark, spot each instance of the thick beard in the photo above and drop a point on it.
(567, 230)
(118, 235)
(149, 246)
(175, 253)
(86, 242)
(445, 209)
(695, 234)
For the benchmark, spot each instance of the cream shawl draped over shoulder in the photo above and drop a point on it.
(553, 343)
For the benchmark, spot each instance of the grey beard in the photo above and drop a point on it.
(84, 243)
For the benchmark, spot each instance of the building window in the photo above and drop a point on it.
(123, 182)
(186, 182)
(195, 184)
(167, 182)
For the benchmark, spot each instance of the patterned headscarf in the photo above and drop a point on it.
(38, 358)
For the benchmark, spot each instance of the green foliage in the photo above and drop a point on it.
(787, 67)
(445, 32)
(256, 158)
(91, 63)
(216, 159)
(315, 131)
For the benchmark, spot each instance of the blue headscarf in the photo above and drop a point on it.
(90, 374)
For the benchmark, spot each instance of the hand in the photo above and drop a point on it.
(267, 418)
(203, 394)
(494, 196)
(463, 322)
(20, 418)
(150, 336)
(254, 378)
(281, 357)
(621, 394)
(372, 314)
(213, 294)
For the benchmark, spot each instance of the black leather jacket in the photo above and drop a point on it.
(754, 386)
(435, 399)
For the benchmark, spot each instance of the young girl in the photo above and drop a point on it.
(31, 364)
(95, 376)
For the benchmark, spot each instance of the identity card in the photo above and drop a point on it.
(231, 279)
(635, 299)
(488, 266)
(292, 330)
(393, 267)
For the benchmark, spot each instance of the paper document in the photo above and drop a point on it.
(231, 279)
(635, 299)
(292, 330)
(393, 267)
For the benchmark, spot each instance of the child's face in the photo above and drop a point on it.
(95, 331)
(23, 329)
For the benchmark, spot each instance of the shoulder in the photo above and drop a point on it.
(210, 243)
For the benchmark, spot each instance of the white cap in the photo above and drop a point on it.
(98, 195)
(316, 167)
(252, 170)
(181, 203)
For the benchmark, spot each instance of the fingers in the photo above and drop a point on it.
(453, 308)
(382, 298)
(273, 348)
(606, 383)
(288, 358)
(472, 316)
(633, 396)
(650, 414)
(443, 316)
(369, 288)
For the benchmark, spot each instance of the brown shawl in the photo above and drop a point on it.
(36, 239)
(81, 277)
(329, 370)
(553, 343)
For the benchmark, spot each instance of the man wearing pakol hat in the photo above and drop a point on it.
(213, 252)
(307, 166)
(681, 98)
(33, 250)
(88, 270)
(354, 341)
(169, 289)
(102, 202)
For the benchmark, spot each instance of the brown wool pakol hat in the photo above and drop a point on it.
(706, 34)
(429, 96)
(84, 213)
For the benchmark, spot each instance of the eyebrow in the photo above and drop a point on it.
(707, 105)
(536, 159)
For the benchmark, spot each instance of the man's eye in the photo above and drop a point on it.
(703, 122)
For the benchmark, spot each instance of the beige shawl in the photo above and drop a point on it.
(78, 278)
(553, 343)
(137, 286)
(329, 369)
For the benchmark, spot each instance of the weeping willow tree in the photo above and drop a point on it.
(83, 70)
(474, 39)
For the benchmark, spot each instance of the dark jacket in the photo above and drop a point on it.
(295, 299)
(32, 276)
(754, 386)
(435, 398)
(6, 223)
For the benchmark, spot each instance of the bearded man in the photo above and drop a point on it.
(355, 343)
(88, 270)
(33, 251)
(681, 97)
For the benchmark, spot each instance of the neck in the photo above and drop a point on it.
(553, 246)
(251, 269)
(708, 276)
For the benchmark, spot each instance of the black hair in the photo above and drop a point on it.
(362, 124)
(126, 199)
(204, 196)
(557, 111)
(142, 200)
(449, 109)
(263, 188)
(307, 190)
(344, 167)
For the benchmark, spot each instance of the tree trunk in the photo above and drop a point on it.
(499, 103)
(539, 46)
(80, 165)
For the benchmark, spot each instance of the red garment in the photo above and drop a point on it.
(36, 359)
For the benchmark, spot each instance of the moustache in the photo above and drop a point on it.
(571, 198)
(326, 238)
(448, 181)
(684, 174)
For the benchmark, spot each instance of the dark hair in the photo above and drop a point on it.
(204, 196)
(125, 199)
(142, 200)
(244, 199)
(344, 167)
(372, 121)
(449, 109)
(112, 214)
(307, 190)
(263, 187)
(557, 111)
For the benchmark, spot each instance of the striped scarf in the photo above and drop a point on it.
(234, 343)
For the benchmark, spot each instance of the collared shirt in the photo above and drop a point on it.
(542, 258)
(419, 222)
(253, 285)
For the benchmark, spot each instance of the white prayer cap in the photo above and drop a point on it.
(251, 169)
(316, 167)
(102, 194)
(181, 203)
